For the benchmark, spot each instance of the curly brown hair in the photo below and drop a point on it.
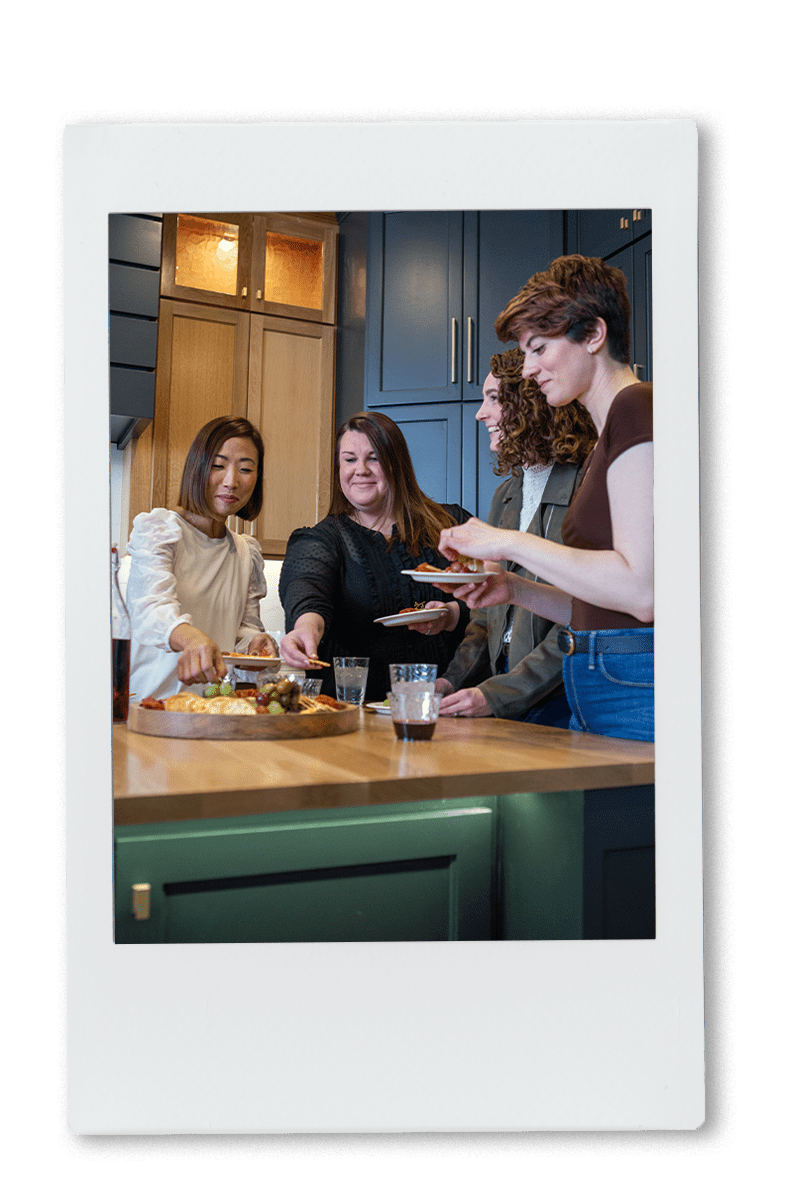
(532, 433)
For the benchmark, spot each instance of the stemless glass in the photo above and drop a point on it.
(414, 714)
(350, 679)
(410, 677)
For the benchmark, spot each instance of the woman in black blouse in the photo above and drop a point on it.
(342, 574)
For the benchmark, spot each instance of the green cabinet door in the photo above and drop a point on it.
(416, 872)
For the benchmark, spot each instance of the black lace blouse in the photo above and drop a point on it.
(348, 575)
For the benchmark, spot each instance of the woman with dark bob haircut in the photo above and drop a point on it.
(509, 663)
(346, 571)
(572, 323)
(195, 586)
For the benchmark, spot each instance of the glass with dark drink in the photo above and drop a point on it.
(121, 645)
(414, 714)
(121, 653)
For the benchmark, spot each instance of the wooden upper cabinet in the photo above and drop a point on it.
(208, 257)
(294, 273)
(282, 264)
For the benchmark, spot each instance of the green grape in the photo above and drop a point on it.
(226, 689)
(211, 690)
(275, 707)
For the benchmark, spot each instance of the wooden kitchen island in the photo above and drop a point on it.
(483, 832)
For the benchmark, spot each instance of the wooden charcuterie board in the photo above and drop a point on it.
(261, 727)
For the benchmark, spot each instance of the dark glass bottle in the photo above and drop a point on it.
(121, 646)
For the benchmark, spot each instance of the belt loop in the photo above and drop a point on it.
(592, 639)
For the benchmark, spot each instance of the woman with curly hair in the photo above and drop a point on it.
(509, 664)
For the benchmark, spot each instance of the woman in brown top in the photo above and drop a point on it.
(572, 323)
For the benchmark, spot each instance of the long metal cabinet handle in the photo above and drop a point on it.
(454, 349)
(468, 339)
(636, 368)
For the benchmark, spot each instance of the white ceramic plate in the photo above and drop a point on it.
(382, 708)
(252, 662)
(412, 618)
(448, 576)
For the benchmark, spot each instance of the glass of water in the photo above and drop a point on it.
(413, 677)
(350, 679)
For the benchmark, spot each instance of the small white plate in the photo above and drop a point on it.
(382, 708)
(448, 577)
(412, 618)
(252, 662)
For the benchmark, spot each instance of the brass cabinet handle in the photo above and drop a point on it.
(470, 329)
(636, 368)
(244, 293)
(258, 294)
(454, 349)
(623, 222)
(636, 214)
(141, 901)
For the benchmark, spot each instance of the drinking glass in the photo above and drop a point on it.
(413, 677)
(350, 679)
(414, 714)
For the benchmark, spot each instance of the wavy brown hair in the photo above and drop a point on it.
(419, 519)
(567, 300)
(532, 433)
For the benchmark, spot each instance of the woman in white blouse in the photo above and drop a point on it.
(195, 586)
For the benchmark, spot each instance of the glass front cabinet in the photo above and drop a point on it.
(280, 264)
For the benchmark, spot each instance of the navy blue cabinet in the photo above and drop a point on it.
(134, 251)
(436, 281)
(623, 237)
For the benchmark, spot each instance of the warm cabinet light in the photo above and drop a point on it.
(206, 254)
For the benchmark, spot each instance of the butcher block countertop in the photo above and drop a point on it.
(169, 779)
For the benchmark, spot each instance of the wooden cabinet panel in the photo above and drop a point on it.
(291, 400)
(294, 272)
(239, 246)
(412, 872)
(202, 373)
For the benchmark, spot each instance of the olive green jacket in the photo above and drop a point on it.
(535, 661)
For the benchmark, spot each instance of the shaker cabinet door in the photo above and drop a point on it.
(501, 251)
(419, 874)
(414, 310)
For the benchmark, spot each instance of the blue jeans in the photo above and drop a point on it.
(612, 694)
(554, 712)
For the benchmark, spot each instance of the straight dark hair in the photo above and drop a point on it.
(419, 520)
(201, 454)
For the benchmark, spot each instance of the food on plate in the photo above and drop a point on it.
(281, 695)
(275, 698)
(462, 565)
(414, 608)
(216, 705)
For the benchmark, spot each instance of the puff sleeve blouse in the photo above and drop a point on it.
(179, 575)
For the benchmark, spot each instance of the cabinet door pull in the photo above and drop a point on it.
(636, 214)
(468, 339)
(141, 901)
(454, 349)
(243, 293)
(636, 368)
(623, 222)
(258, 294)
